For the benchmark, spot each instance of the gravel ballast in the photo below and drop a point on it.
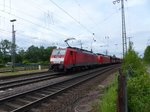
(78, 99)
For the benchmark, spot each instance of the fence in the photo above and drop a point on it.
(122, 93)
(24, 67)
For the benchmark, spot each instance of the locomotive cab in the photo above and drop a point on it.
(57, 59)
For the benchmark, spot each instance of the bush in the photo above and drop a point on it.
(147, 55)
(133, 62)
(43, 62)
(139, 93)
(108, 103)
(26, 62)
(1, 65)
(138, 84)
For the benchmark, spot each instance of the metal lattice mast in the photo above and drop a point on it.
(124, 38)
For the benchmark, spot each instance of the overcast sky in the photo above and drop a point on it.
(50, 22)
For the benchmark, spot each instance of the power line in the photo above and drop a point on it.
(71, 16)
(21, 30)
(37, 7)
(105, 19)
(29, 20)
(90, 18)
(22, 12)
(34, 23)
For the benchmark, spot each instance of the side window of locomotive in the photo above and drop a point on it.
(71, 52)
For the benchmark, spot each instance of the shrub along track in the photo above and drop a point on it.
(26, 100)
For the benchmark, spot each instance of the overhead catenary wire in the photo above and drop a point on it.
(71, 16)
(105, 19)
(40, 30)
(43, 10)
(20, 34)
(90, 18)
(35, 24)
(29, 21)
(38, 24)
(19, 31)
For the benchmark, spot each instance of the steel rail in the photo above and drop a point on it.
(21, 82)
(22, 75)
(40, 94)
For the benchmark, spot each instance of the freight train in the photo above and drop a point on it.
(70, 58)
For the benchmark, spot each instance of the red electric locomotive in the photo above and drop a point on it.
(103, 59)
(69, 58)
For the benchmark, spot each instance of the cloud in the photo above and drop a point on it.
(43, 23)
(133, 3)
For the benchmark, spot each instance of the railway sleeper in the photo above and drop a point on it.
(39, 95)
(45, 92)
(52, 90)
(23, 100)
(13, 105)
(62, 86)
(57, 88)
(34, 110)
(32, 97)
(6, 108)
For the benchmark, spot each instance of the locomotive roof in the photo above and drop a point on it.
(102, 54)
(79, 49)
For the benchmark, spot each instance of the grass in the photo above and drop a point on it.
(139, 93)
(21, 72)
(108, 101)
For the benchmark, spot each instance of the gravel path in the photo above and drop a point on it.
(86, 104)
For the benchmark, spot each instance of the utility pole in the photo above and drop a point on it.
(124, 38)
(107, 44)
(13, 46)
(129, 40)
(92, 41)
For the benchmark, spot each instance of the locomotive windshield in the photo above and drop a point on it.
(59, 52)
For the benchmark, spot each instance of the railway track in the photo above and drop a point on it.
(22, 75)
(24, 101)
(27, 80)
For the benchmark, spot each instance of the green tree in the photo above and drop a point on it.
(38, 55)
(5, 48)
(147, 55)
(138, 84)
(21, 56)
(32, 54)
(47, 53)
(1, 57)
(133, 61)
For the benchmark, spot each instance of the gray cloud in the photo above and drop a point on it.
(42, 23)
